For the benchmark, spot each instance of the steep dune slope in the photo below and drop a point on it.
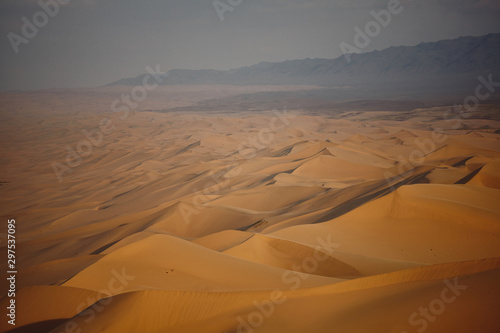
(424, 223)
(386, 303)
(168, 263)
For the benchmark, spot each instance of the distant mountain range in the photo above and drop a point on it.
(448, 62)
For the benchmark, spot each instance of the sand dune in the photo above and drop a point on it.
(440, 216)
(45, 307)
(152, 263)
(399, 294)
(249, 222)
(488, 176)
(288, 255)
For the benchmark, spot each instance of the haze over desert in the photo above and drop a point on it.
(230, 166)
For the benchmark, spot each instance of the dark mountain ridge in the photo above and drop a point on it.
(443, 64)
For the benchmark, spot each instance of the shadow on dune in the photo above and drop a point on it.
(39, 327)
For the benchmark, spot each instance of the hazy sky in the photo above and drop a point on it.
(94, 42)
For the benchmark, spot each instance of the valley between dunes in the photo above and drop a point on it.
(248, 221)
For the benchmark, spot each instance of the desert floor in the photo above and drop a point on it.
(161, 219)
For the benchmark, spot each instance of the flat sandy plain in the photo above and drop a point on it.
(248, 220)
